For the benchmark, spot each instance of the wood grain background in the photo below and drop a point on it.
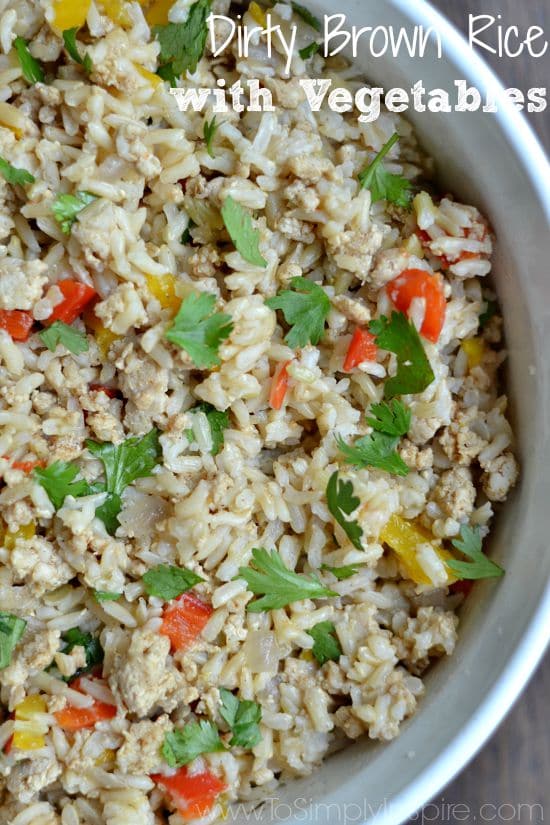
(513, 770)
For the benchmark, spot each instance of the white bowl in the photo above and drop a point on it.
(495, 162)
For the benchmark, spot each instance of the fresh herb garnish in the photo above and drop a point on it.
(182, 44)
(393, 418)
(123, 463)
(306, 16)
(168, 581)
(276, 584)
(480, 567)
(244, 235)
(69, 39)
(186, 234)
(66, 208)
(341, 573)
(106, 596)
(58, 480)
(488, 312)
(309, 50)
(243, 717)
(182, 746)
(13, 175)
(399, 335)
(374, 450)
(305, 307)
(60, 333)
(31, 68)
(91, 645)
(382, 184)
(326, 645)
(218, 422)
(200, 331)
(209, 130)
(11, 630)
(342, 502)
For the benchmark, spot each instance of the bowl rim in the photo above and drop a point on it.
(532, 646)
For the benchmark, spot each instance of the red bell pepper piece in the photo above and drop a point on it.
(279, 386)
(73, 718)
(194, 795)
(416, 283)
(362, 348)
(184, 619)
(76, 297)
(17, 323)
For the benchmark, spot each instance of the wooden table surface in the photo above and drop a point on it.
(513, 770)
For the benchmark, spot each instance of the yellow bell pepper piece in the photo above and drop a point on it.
(29, 733)
(150, 77)
(103, 337)
(258, 14)
(404, 536)
(163, 288)
(116, 10)
(156, 13)
(475, 350)
(70, 13)
(26, 531)
(105, 757)
(12, 118)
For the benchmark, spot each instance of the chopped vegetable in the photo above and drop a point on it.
(404, 536)
(200, 331)
(398, 335)
(110, 392)
(31, 68)
(258, 14)
(17, 323)
(23, 533)
(13, 175)
(70, 14)
(13, 118)
(58, 480)
(218, 421)
(306, 16)
(134, 458)
(163, 288)
(488, 312)
(66, 208)
(72, 718)
(393, 418)
(76, 297)
(243, 718)
(156, 13)
(182, 746)
(362, 348)
(11, 630)
(480, 567)
(341, 503)
(341, 573)
(60, 333)
(27, 466)
(305, 307)
(279, 386)
(168, 581)
(309, 50)
(195, 794)
(326, 646)
(246, 238)
(209, 130)
(417, 284)
(69, 39)
(106, 596)
(278, 586)
(184, 620)
(103, 336)
(91, 645)
(382, 184)
(475, 350)
(28, 734)
(374, 450)
(182, 44)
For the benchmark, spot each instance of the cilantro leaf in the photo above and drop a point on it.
(309, 50)
(65, 208)
(91, 645)
(488, 312)
(186, 234)
(480, 567)
(341, 502)
(106, 596)
(326, 645)
(13, 175)
(182, 746)
(58, 480)
(374, 450)
(382, 184)
(168, 581)
(278, 586)
(11, 630)
(69, 39)
(31, 68)
(399, 335)
(243, 718)
(393, 418)
(198, 330)
(123, 463)
(244, 235)
(341, 573)
(209, 130)
(60, 333)
(305, 308)
(306, 16)
(218, 422)
(182, 44)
